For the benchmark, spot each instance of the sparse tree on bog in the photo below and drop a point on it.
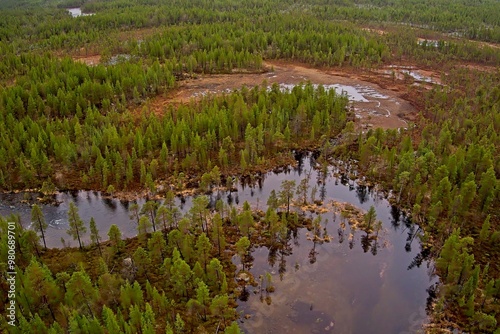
(370, 217)
(76, 225)
(94, 235)
(39, 222)
(286, 193)
(242, 247)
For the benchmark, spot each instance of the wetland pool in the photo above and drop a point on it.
(352, 284)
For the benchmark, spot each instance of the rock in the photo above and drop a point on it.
(127, 262)
(128, 270)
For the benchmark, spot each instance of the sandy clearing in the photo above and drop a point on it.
(380, 108)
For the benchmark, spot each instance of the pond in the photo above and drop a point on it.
(348, 285)
(76, 12)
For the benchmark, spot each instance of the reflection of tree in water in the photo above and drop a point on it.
(271, 257)
(433, 293)
(244, 294)
(321, 181)
(322, 191)
(110, 203)
(395, 217)
(282, 248)
(313, 253)
(299, 157)
(282, 264)
(366, 242)
(296, 237)
(285, 250)
(341, 234)
(362, 193)
(249, 260)
(124, 204)
(374, 249)
(412, 234)
(422, 256)
(344, 180)
(74, 194)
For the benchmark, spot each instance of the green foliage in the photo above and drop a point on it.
(81, 293)
(76, 225)
(65, 124)
(242, 247)
(115, 236)
(39, 223)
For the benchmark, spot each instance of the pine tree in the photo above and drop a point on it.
(76, 225)
(303, 189)
(203, 247)
(370, 217)
(110, 321)
(233, 329)
(115, 236)
(80, 292)
(203, 298)
(242, 247)
(484, 235)
(181, 277)
(272, 201)
(142, 261)
(39, 222)
(134, 212)
(245, 222)
(215, 274)
(149, 209)
(487, 188)
(41, 290)
(179, 324)
(148, 321)
(157, 247)
(218, 237)
(198, 212)
(286, 193)
(143, 228)
(94, 235)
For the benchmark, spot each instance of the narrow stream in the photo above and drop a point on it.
(348, 285)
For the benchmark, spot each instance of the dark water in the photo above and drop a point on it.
(345, 286)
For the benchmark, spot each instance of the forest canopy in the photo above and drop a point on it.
(66, 124)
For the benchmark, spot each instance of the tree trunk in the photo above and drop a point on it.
(43, 234)
(78, 236)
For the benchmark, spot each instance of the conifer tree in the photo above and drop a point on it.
(94, 235)
(115, 236)
(76, 225)
(39, 222)
(242, 247)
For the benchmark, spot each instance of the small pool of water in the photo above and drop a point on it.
(76, 12)
(418, 76)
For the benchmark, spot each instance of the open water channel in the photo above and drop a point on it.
(341, 286)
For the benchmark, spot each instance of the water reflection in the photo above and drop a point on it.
(373, 283)
(362, 193)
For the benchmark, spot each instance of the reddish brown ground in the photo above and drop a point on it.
(389, 111)
(88, 60)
